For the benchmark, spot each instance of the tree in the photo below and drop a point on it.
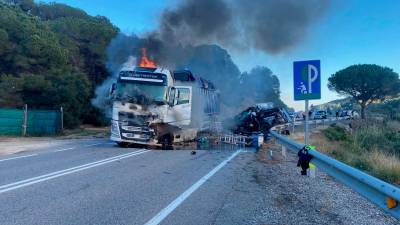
(366, 83)
(261, 85)
(72, 91)
(52, 11)
(10, 89)
(26, 5)
(88, 39)
(52, 55)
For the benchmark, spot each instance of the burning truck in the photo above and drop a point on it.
(154, 106)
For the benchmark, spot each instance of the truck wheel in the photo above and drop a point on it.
(123, 144)
(166, 142)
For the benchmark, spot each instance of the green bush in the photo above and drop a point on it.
(372, 146)
(370, 135)
(336, 133)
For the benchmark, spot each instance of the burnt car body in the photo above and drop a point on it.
(260, 119)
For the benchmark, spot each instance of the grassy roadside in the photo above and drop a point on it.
(371, 146)
(84, 131)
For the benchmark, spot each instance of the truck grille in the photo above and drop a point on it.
(132, 119)
(144, 137)
(132, 128)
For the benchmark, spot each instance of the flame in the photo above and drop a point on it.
(145, 61)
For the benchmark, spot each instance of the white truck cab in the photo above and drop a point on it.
(154, 106)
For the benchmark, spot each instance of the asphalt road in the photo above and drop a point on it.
(95, 182)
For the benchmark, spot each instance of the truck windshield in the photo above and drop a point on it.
(141, 93)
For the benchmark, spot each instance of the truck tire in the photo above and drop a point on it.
(122, 144)
(166, 142)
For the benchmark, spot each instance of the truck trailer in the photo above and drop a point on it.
(159, 107)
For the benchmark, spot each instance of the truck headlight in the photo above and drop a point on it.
(114, 128)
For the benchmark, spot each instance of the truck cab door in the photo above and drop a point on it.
(180, 105)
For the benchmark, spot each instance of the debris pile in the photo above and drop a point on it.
(259, 119)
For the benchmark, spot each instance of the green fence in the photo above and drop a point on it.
(38, 122)
(11, 121)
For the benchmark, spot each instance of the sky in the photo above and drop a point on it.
(351, 32)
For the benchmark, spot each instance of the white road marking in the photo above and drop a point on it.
(93, 144)
(65, 149)
(24, 156)
(49, 176)
(59, 150)
(181, 198)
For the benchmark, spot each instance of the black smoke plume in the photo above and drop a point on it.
(273, 26)
(190, 35)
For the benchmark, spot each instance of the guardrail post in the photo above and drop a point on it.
(283, 152)
(311, 172)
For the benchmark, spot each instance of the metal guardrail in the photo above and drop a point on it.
(310, 122)
(384, 195)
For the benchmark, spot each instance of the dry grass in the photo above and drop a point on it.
(360, 149)
(384, 165)
(317, 139)
(86, 132)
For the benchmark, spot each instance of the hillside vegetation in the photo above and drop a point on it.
(52, 55)
(372, 146)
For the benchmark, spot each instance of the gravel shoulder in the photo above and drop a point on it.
(294, 199)
(21, 145)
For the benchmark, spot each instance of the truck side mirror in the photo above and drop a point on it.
(112, 89)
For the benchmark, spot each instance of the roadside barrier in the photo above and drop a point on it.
(233, 139)
(314, 123)
(384, 195)
(31, 122)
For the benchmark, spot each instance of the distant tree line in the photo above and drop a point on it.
(52, 55)
(366, 84)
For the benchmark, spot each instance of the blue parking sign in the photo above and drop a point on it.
(307, 80)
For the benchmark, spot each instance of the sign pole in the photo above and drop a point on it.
(306, 130)
(307, 86)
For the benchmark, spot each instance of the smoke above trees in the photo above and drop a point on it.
(268, 25)
(195, 35)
